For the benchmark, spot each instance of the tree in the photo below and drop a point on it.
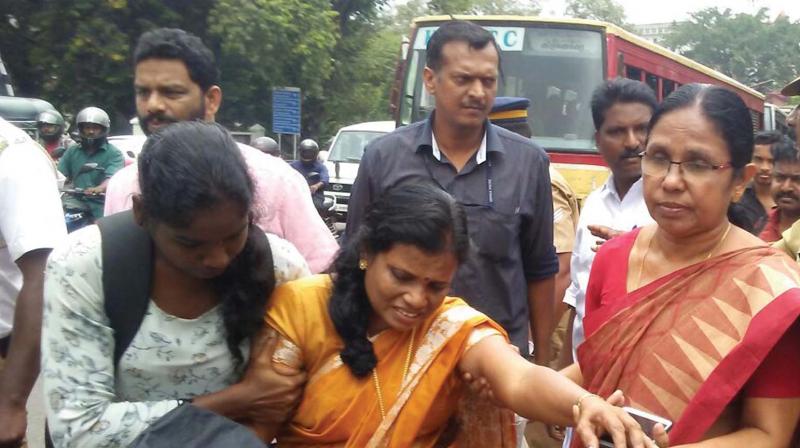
(605, 10)
(747, 47)
(76, 54)
(271, 43)
(479, 7)
(341, 53)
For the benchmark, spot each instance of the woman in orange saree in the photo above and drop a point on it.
(693, 319)
(415, 367)
(385, 349)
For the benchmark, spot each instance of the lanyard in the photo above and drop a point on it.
(489, 184)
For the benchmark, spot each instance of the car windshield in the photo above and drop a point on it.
(349, 145)
(556, 68)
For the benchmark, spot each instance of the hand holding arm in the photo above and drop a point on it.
(604, 233)
(273, 389)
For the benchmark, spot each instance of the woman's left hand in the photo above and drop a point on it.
(596, 416)
(660, 436)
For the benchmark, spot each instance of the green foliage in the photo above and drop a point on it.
(746, 47)
(362, 82)
(76, 54)
(605, 10)
(342, 53)
(271, 43)
(486, 7)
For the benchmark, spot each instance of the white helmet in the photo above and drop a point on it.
(93, 115)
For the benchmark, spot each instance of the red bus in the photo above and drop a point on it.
(557, 63)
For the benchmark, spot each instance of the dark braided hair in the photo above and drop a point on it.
(421, 215)
(191, 166)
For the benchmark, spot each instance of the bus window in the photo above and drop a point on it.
(652, 81)
(667, 87)
(408, 92)
(633, 73)
(556, 68)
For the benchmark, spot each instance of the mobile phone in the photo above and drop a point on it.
(645, 419)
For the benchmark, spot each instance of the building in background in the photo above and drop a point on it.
(654, 32)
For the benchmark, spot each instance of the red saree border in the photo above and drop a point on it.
(733, 372)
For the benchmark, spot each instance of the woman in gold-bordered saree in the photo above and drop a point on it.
(339, 407)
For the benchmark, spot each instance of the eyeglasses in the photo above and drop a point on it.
(692, 170)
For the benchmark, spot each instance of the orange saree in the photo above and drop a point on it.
(687, 344)
(339, 409)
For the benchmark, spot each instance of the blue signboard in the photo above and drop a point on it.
(286, 110)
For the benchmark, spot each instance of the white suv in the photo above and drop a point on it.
(345, 153)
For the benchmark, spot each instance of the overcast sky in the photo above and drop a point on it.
(639, 11)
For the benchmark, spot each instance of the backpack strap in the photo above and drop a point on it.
(268, 265)
(127, 276)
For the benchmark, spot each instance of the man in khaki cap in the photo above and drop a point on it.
(790, 241)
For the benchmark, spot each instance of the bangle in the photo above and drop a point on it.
(183, 401)
(580, 399)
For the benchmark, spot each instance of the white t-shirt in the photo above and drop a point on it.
(602, 207)
(31, 216)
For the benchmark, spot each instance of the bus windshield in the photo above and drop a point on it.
(556, 68)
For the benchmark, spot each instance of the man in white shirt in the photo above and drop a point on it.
(621, 110)
(31, 224)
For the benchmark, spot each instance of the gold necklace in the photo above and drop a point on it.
(407, 363)
(650, 243)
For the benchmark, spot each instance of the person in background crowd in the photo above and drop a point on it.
(176, 79)
(93, 125)
(785, 191)
(621, 110)
(209, 290)
(693, 318)
(31, 224)
(52, 133)
(314, 171)
(757, 199)
(267, 145)
(790, 239)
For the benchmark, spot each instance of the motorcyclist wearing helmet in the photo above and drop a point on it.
(51, 127)
(312, 169)
(93, 124)
(267, 145)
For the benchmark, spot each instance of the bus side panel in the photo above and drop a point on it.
(669, 69)
(583, 172)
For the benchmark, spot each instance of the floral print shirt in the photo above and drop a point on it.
(89, 402)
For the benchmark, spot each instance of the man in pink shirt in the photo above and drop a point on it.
(176, 79)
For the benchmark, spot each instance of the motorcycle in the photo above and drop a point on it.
(77, 213)
(326, 207)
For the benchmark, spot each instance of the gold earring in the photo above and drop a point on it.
(362, 264)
